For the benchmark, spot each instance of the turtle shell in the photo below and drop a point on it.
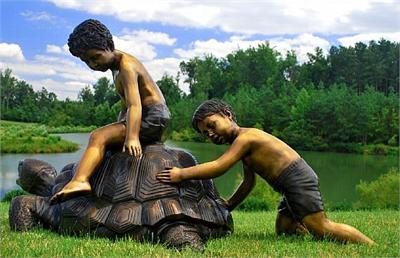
(126, 196)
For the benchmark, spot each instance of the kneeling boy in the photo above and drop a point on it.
(301, 208)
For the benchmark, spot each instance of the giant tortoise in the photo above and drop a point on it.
(126, 200)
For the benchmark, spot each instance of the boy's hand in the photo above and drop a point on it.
(133, 147)
(170, 175)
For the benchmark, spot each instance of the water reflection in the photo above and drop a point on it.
(338, 172)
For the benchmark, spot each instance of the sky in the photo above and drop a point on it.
(161, 34)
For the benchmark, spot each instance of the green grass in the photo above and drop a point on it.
(6, 122)
(253, 237)
(71, 129)
(31, 138)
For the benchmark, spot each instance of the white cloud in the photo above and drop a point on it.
(54, 49)
(64, 76)
(59, 69)
(301, 44)
(151, 37)
(215, 47)
(352, 40)
(140, 43)
(63, 89)
(158, 67)
(254, 17)
(38, 16)
(140, 49)
(11, 52)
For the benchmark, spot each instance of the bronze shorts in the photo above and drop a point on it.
(300, 188)
(155, 119)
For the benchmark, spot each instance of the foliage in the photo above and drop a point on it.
(13, 193)
(261, 198)
(71, 129)
(169, 86)
(382, 193)
(345, 100)
(381, 149)
(31, 138)
(254, 204)
(187, 135)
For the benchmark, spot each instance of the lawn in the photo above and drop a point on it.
(254, 236)
(19, 137)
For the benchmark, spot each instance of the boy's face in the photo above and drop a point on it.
(218, 128)
(98, 60)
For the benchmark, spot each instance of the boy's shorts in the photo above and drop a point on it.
(155, 118)
(300, 188)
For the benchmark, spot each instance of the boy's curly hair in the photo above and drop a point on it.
(90, 34)
(209, 108)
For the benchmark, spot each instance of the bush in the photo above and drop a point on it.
(339, 206)
(252, 203)
(31, 138)
(382, 193)
(71, 129)
(187, 135)
(13, 193)
(261, 198)
(394, 142)
(346, 147)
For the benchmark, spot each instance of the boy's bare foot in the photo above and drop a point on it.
(70, 190)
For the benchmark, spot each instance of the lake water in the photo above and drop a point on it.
(338, 172)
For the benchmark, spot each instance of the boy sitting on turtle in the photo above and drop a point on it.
(301, 208)
(144, 115)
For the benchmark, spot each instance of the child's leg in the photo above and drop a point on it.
(289, 226)
(320, 226)
(93, 155)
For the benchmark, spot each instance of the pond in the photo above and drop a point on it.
(339, 173)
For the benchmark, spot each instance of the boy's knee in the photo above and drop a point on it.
(96, 138)
(285, 225)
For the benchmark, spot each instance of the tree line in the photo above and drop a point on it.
(338, 101)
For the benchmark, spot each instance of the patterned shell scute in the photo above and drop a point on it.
(209, 212)
(151, 188)
(99, 213)
(124, 217)
(116, 180)
(192, 189)
(74, 213)
(133, 196)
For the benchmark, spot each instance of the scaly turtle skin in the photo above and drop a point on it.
(126, 200)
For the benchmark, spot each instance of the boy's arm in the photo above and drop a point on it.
(130, 85)
(243, 190)
(211, 169)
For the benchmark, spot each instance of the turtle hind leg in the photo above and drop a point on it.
(181, 236)
(21, 213)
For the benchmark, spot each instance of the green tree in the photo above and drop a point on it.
(170, 89)
(104, 91)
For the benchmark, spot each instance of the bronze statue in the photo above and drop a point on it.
(126, 200)
(144, 115)
(301, 209)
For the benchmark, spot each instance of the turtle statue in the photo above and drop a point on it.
(126, 200)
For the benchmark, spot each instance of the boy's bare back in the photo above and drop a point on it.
(131, 71)
(266, 155)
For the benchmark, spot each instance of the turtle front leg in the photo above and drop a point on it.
(181, 236)
(22, 213)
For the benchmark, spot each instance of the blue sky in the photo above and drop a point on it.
(164, 33)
